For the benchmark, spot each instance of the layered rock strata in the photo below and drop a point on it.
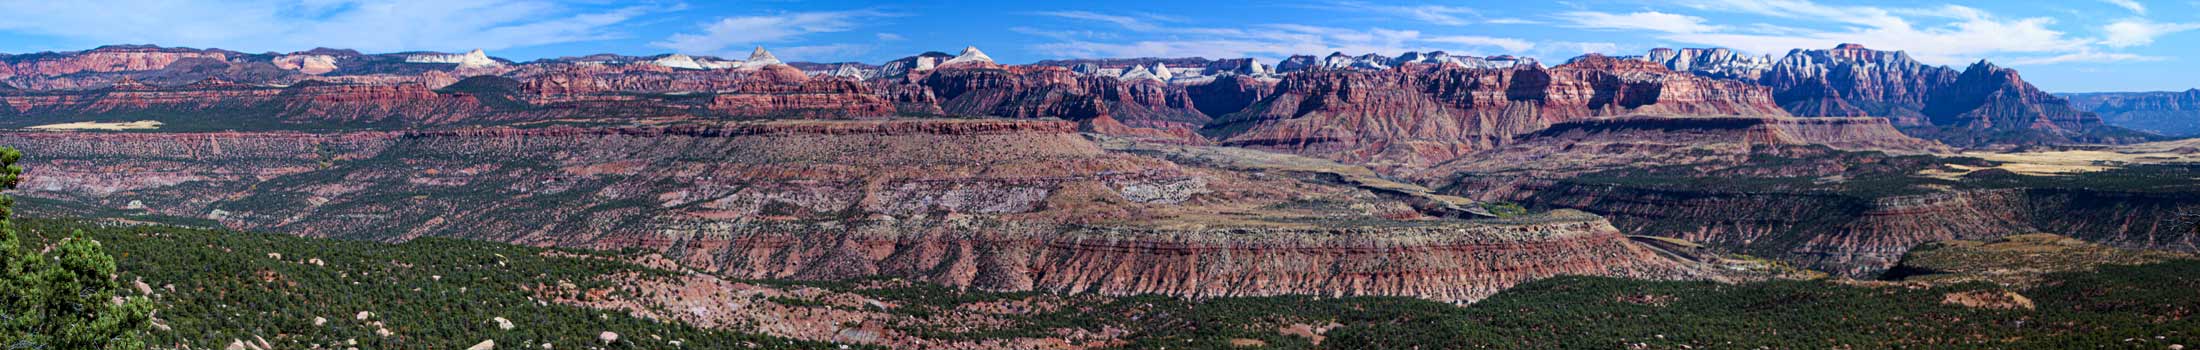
(1420, 115)
(990, 204)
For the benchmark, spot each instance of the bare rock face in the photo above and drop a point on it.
(991, 204)
(1876, 83)
(1420, 114)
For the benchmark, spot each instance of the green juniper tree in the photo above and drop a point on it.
(64, 300)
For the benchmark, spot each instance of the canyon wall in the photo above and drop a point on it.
(990, 204)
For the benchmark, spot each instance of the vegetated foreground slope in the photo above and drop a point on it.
(220, 287)
(991, 204)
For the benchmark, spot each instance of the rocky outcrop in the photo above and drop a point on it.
(2164, 113)
(1423, 114)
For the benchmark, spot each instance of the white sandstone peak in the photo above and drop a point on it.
(759, 58)
(1162, 72)
(677, 61)
(471, 59)
(476, 58)
(970, 54)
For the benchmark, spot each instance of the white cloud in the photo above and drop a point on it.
(890, 37)
(287, 25)
(2132, 5)
(740, 32)
(2139, 31)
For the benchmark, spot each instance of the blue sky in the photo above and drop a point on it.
(2074, 45)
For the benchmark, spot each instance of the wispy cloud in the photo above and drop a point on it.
(2086, 56)
(1648, 20)
(1432, 14)
(736, 33)
(278, 25)
(1127, 22)
(1267, 41)
(2132, 5)
(1946, 34)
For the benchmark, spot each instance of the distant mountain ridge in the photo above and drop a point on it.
(1162, 98)
(2169, 113)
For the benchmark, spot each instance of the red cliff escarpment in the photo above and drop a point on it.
(1055, 92)
(209, 103)
(1422, 114)
(101, 60)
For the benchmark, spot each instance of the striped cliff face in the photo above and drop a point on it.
(992, 204)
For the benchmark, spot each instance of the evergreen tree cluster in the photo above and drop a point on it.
(67, 297)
